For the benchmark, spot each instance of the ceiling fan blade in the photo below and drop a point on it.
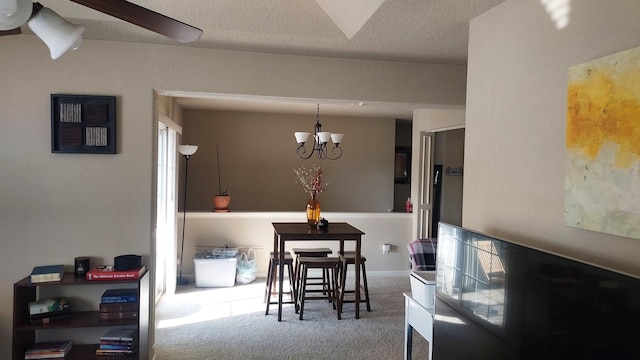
(15, 31)
(145, 18)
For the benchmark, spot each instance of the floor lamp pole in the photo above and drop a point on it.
(187, 151)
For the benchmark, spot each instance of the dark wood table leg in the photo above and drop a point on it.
(357, 267)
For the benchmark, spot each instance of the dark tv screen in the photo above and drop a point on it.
(499, 300)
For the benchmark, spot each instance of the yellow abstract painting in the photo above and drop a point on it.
(602, 170)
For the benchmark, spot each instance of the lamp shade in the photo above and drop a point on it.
(14, 13)
(337, 138)
(301, 137)
(59, 34)
(324, 136)
(187, 150)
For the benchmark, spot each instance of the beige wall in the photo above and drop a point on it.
(58, 206)
(257, 159)
(515, 125)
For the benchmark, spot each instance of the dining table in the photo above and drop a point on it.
(342, 232)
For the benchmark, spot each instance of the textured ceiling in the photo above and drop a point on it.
(432, 31)
(424, 31)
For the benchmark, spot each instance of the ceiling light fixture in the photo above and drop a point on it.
(56, 32)
(320, 141)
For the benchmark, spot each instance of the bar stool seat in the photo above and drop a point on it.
(330, 265)
(271, 276)
(349, 258)
(311, 252)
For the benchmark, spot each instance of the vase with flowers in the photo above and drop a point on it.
(311, 180)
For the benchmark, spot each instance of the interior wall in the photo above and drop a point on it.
(516, 120)
(452, 194)
(59, 206)
(258, 158)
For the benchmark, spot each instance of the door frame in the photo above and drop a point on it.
(428, 121)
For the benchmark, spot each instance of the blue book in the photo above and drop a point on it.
(119, 296)
(119, 335)
(47, 273)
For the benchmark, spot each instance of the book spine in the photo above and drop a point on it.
(116, 347)
(119, 299)
(118, 315)
(112, 276)
(111, 339)
(128, 343)
(114, 352)
(118, 307)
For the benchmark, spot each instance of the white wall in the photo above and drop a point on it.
(515, 125)
(254, 230)
(58, 206)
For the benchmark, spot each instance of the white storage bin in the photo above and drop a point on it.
(423, 288)
(214, 271)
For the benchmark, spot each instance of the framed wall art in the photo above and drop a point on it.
(402, 167)
(83, 124)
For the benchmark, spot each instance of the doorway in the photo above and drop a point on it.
(438, 138)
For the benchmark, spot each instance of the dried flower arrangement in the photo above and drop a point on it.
(311, 179)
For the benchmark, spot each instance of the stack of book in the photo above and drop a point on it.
(47, 310)
(118, 342)
(116, 304)
(49, 350)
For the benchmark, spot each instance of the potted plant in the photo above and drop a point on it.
(223, 198)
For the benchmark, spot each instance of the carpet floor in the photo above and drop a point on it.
(229, 323)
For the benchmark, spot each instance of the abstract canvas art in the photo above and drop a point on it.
(602, 169)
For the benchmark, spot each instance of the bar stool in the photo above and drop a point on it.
(311, 252)
(349, 258)
(271, 276)
(330, 265)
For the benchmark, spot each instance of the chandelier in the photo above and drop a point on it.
(320, 142)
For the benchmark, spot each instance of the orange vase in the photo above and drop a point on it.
(313, 211)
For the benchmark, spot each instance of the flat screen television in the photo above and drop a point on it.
(499, 300)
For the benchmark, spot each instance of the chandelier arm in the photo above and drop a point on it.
(301, 150)
(335, 150)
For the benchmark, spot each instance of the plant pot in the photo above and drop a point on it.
(221, 203)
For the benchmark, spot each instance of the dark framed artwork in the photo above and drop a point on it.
(402, 168)
(83, 124)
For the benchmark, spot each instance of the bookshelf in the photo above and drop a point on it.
(25, 333)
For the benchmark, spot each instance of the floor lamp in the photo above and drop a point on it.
(186, 151)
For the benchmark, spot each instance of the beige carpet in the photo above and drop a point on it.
(229, 323)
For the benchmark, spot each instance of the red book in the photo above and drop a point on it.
(99, 274)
